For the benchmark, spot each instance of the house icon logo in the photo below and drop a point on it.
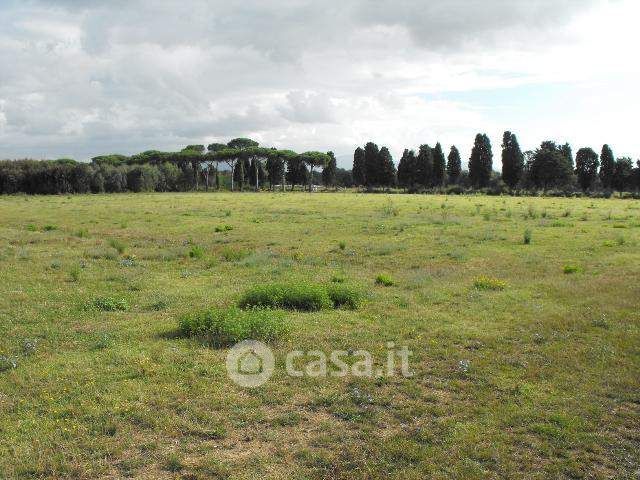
(250, 363)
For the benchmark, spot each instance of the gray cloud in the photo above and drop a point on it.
(87, 77)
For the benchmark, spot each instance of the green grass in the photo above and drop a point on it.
(385, 280)
(539, 380)
(289, 296)
(226, 326)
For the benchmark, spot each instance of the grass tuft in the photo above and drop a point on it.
(384, 280)
(300, 296)
(226, 326)
(223, 228)
(196, 251)
(109, 304)
(484, 282)
(344, 296)
(527, 237)
(569, 269)
(118, 245)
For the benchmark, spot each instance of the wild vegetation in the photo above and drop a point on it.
(549, 169)
(522, 314)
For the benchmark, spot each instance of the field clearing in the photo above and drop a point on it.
(537, 378)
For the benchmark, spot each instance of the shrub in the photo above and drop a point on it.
(196, 251)
(301, 296)
(223, 228)
(226, 326)
(118, 245)
(568, 269)
(109, 304)
(338, 278)
(49, 228)
(342, 245)
(384, 280)
(233, 254)
(527, 237)
(344, 296)
(484, 282)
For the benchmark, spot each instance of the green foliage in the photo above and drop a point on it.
(338, 278)
(454, 165)
(196, 251)
(586, 167)
(231, 254)
(329, 171)
(607, 167)
(359, 170)
(484, 282)
(344, 296)
(118, 245)
(384, 280)
(481, 161)
(527, 237)
(226, 326)
(223, 228)
(82, 233)
(439, 166)
(342, 244)
(569, 269)
(49, 228)
(290, 296)
(512, 160)
(109, 304)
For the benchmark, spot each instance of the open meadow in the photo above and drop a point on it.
(523, 316)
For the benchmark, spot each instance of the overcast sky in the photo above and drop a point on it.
(82, 78)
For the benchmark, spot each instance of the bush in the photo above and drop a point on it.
(568, 269)
(344, 296)
(233, 254)
(484, 282)
(196, 252)
(384, 280)
(302, 296)
(527, 237)
(109, 304)
(119, 245)
(226, 326)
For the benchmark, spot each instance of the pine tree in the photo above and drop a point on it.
(424, 166)
(607, 167)
(454, 165)
(567, 153)
(372, 165)
(358, 171)
(275, 169)
(439, 166)
(512, 160)
(387, 169)
(329, 171)
(586, 167)
(480, 161)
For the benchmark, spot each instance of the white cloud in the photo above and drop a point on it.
(87, 77)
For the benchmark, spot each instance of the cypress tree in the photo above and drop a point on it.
(439, 166)
(480, 161)
(567, 154)
(424, 166)
(512, 160)
(586, 167)
(387, 168)
(329, 171)
(454, 165)
(607, 167)
(623, 174)
(406, 169)
(372, 165)
(358, 171)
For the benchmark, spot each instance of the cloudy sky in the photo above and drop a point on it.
(81, 78)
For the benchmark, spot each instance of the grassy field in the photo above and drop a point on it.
(525, 351)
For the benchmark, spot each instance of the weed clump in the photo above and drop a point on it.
(484, 282)
(109, 304)
(118, 245)
(301, 296)
(527, 237)
(196, 252)
(569, 269)
(226, 326)
(233, 254)
(385, 280)
(223, 228)
(344, 296)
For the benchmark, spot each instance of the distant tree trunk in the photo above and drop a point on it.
(255, 162)
(232, 165)
(310, 177)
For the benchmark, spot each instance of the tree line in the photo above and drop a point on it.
(245, 164)
(248, 165)
(548, 168)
